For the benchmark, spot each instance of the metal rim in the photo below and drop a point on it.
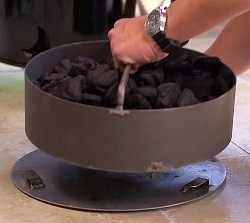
(108, 109)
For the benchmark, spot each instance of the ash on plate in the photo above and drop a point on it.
(174, 82)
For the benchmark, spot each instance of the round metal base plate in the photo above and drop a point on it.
(50, 180)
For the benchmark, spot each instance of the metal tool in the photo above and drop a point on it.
(122, 87)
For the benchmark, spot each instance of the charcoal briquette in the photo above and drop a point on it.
(200, 74)
(206, 63)
(202, 87)
(89, 63)
(66, 63)
(76, 87)
(159, 76)
(78, 69)
(96, 90)
(110, 98)
(91, 99)
(49, 86)
(181, 79)
(136, 101)
(172, 61)
(102, 77)
(176, 77)
(145, 78)
(168, 95)
(57, 88)
(66, 96)
(41, 81)
(227, 75)
(59, 69)
(150, 78)
(54, 76)
(223, 82)
(149, 93)
(185, 67)
(186, 98)
(131, 86)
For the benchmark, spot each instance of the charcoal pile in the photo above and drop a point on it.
(174, 82)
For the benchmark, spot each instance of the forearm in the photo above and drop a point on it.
(233, 45)
(188, 18)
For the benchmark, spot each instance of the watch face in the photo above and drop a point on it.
(153, 23)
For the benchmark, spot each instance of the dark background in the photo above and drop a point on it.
(28, 27)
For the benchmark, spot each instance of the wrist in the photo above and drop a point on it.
(153, 48)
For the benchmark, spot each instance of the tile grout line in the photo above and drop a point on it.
(166, 215)
(240, 147)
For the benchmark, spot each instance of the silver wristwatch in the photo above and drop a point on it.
(155, 26)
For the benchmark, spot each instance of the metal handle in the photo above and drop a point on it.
(196, 184)
(33, 180)
(122, 87)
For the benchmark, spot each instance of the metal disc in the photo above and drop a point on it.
(53, 181)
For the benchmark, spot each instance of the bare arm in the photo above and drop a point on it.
(187, 18)
(233, 45)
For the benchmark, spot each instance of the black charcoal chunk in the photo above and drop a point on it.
(66, 96)
(156, 85)
(159, 76)
(220, 86)
(66, 64)
(168, 95)
(76, 87)
(136, 101)
(150, 78)
(78, 69)
(144, 78)
(200, 74)
(49, 86)
(149, 93)
(223, 82)
(110, 62)
(91, 99)
(59, 69)
(187, 98)
(172, 62)
(42, 81)
(185, 67)
(89, 63)
(202, 87)
(131, 86)
(55, 76)
(206, 63)
(176, 77)
(227, 75)
(59, 88)
(110, 98)
(102, 77)
(96, 90)
(149, 66)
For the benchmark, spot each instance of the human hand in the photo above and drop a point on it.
(130, 44)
